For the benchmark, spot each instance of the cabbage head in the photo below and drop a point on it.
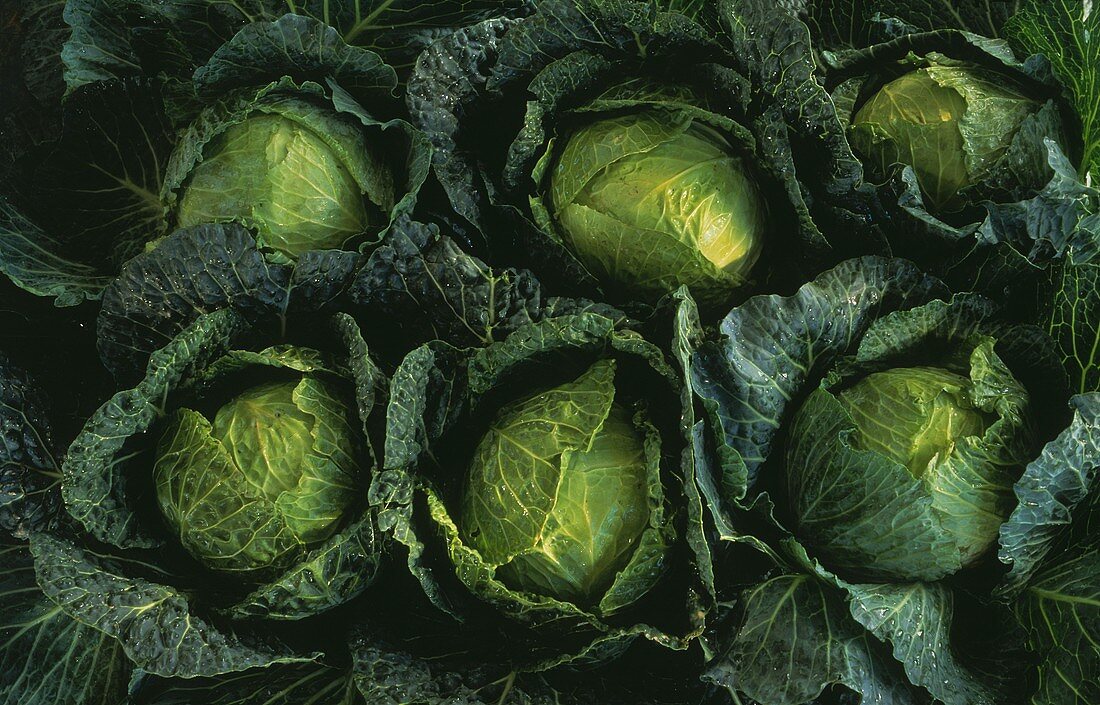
(551, 481)
(649, 202)
(906, 473)
(557, 491)
(301, 175)
(270, 477)
(950, 123)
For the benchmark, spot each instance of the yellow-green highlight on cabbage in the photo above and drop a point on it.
(949, 123)
(271, 477)
(927, 414)
(649, 202)
(557, 495)
(279, 176)
(907, 473)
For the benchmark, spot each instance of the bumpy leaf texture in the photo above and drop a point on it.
(47, 656)
(1068, 33)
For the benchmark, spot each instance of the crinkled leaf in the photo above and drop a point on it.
(47, 656)
(389, 674)
(330, 575)
(29, 477)
(1068, 34)
(298, 46)
(218, 510)
(1049, 491)
(1060, 608)
(794, 639)
(116, 38)
(429, 285)
(155, 623)
(428, 395)
(193, 271)
(282, 684)
(984, 17)
(459, 64)
(426, 285)
(841, 24)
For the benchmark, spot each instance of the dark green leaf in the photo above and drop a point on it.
(1068, 34)
(795, 638)
(155, 623)
(1049, 492)
(29, 477)
(282, 684)
(47, 656)
(97, 468)
(1061, 610)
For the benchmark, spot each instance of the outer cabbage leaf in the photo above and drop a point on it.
(1061, 611)
(343, 567)
(915, 623)
(154, 623)
(114, 39)
(1066, 33)
(29, 476)
(846, 24)
(1049, 492)
(748, 375)
(160, 293)
(302, 47)
(1067, 306)
(30, 121)
(49, 657)
(388, 675)
(417, 285)
(795, 638)
(281, 684)
(420, 281)
(382, 669)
